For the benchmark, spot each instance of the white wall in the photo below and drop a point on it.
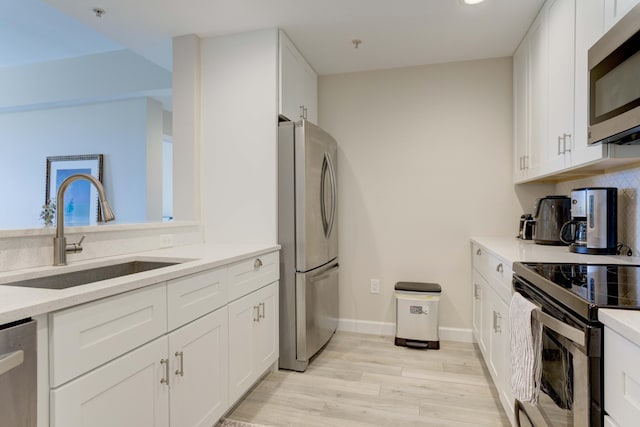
(424, 163)
(119, 130)
(238, 146)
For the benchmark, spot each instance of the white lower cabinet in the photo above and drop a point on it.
(198, 384)
(621, 379)
(491, 291)
(174, 354)
(126, 392)
(176, 380)
(253, 338)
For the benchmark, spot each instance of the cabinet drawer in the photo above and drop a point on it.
(495, 270)
(88, 335)
(621, 378)
(195, 295)
(249, 275)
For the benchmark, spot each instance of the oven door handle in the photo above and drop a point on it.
(569, 332)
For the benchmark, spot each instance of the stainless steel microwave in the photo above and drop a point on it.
(614, 83)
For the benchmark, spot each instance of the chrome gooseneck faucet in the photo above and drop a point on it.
(60, 246)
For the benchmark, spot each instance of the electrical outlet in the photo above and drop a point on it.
(166, 240)
(375, 286)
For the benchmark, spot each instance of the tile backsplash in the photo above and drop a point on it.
(627, 182)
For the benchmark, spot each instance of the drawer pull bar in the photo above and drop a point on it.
(181, 370)
(165, 380)
(256, 313)
(261, 316)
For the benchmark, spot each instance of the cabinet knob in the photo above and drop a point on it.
(478, 252)
(500, 268)
(257, 263)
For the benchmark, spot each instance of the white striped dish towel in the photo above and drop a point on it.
(526, 350)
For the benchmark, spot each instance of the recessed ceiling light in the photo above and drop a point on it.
(473, 1)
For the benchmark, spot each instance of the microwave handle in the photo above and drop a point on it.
(569, 332)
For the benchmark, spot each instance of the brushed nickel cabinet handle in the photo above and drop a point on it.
(165, 380)
(257, 263)
(476, 291)
(478, 252)
(261, 316)
(500, 268)
(564, 139)
(256, 313)
(180, 371)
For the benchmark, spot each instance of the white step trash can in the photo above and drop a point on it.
(417, 314)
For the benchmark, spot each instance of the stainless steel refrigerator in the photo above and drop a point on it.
(308, 234)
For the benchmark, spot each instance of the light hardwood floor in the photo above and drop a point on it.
(365, 380)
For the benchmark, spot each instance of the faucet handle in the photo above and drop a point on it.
(75, 248)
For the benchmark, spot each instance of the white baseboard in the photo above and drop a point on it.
(388, 328)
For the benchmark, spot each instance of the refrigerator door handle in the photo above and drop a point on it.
(327, 223)
(334, 193)
(323, 207)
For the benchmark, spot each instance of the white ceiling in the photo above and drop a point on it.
(394, 33)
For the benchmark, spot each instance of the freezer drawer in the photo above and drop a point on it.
(317, 309)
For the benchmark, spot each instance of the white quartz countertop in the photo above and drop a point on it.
(21, 302)
(511, 250)
(625, 322)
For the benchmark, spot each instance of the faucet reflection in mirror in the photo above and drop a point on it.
(60, 246)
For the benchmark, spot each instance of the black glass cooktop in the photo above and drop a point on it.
(591, 285)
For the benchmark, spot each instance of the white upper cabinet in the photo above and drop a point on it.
(561, 37)
(589, 28)
(551, 91)
(298, 83)
(530, 101)
(616, 9)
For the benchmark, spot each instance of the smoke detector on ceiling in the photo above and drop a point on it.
(98, 11)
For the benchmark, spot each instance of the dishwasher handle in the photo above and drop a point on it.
(10, 361)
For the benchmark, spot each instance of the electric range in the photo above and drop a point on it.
(568, 297)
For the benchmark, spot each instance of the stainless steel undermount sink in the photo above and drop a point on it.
(90, 275)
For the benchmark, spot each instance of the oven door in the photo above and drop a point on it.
(565, 398)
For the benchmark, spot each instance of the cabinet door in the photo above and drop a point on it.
(589, 28)
(561, 36)
(243, 316)
(487, 319)
(494, 316)
(126, 392)
(538, 67)
(199, 357)
(298, 83)
(266, 331)
(521, 107)
(477, 310)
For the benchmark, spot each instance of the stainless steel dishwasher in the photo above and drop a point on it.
(18, 374)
